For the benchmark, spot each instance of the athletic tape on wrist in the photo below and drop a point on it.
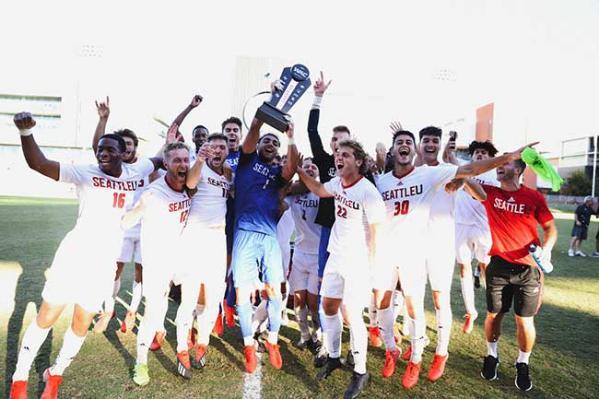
(317, 101)
(25, 132)
(290, 141)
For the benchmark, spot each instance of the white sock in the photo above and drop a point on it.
(386, 322)
(152, 321)
(444, 322)
(417, 332)
(273, 337)
(467, 285)
(332, 327)
(32, 340)
(407, 324)
(137, 292)
(372, 311)
(302, 321)
(358, 338)
(523, 357)
(398, 302)
(492, 349)
(71, 344)
(260, 316)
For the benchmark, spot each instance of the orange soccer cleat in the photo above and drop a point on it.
(274, 355)
(52, 384)
(218, 326)
(375, 337)
(229, 315)
(437, 367)
(410, 376)
(18, 390)
(250, 359)
(158, 340)
(184, 364)
(390, 361)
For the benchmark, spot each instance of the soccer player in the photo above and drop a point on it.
(409, 194)
(257, 185)
(130, 248)
(205, 230)
(352, 248)
(582, 219)
(440, 262)
(514, 212)
(303, 279)
(473, 237)
(232, 128)
(79, 274)
(163, 210)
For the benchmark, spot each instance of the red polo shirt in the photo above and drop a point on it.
(513, 218)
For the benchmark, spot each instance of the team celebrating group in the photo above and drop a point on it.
(367, 232)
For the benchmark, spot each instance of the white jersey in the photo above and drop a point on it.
(133, 232)
(163, 220)
(104, 199)
(470, 211)
(408, 201)
(304, 208)
(443, 208)
(209, 204)
(351, 204)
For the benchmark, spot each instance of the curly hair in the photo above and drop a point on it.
(483, 145)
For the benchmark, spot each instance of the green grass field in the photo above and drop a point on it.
(563, 365)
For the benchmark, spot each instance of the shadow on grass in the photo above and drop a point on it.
(28, 290)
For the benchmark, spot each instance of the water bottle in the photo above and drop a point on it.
(536, 252)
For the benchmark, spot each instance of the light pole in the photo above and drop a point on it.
(594, 164)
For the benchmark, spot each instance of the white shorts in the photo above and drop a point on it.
(409, 268)
(304, 272)
(473, 242)
(81, 273)
(348, 278)
(440, 259)
(130, 249)
(207, 265)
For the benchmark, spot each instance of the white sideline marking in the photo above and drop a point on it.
(252, 383)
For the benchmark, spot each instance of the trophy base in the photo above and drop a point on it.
(273, 116)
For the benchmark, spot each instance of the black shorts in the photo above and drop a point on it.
(507, 282)
(580, 232)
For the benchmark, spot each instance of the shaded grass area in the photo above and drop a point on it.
(563, 364)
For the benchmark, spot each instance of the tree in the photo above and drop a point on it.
(577, 184)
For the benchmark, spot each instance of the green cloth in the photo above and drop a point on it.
(542, 168)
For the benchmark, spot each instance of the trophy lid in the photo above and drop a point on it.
(300, 73)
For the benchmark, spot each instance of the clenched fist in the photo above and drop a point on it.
(24, 121)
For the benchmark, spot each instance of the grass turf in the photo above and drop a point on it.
(563, 364)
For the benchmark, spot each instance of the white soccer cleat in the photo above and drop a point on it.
(580, 253)
(570, 252)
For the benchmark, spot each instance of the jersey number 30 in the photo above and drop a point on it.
(401, 207)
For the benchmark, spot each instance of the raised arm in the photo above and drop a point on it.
(320, 87)
(292, 155)
(35, 158)
(103, 114)
(381, 156)
(195, 173)
(195, 101)
(313, 185)
(476, 168)
(251, 139)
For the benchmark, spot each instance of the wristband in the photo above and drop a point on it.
(290, 141)
(25, 132)
(317, 101)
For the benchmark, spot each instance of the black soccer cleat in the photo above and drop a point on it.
(523, 381)
(320, 360)
(356, 386)
(330, 365)
(490, 365)
(476, 282)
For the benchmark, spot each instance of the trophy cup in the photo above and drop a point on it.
(295, 81)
